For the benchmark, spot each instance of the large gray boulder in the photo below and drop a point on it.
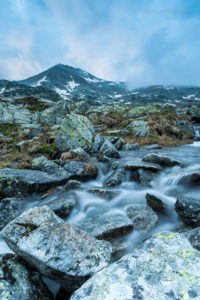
(55, 248)
(20, 282)
(164, 267)
(75, 131)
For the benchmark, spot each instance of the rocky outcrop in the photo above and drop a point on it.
(75, 131)
(19, 281)
(55, 248)
(163, 267)
(139, 128)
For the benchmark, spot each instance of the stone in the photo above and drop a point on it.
(164, 267)
(115, 179)
(143, 217)
(190, 180)
(156, 204)
(63, 205)
(43, 164)
(109, 150)
(106, 227)
(139, 128)
(188, 210)
(18, 281)
(118, 144)
(143, 177)
(163, 161)
(194, 237)
(55, 248)
(35, 132)
(81, 170)
(135, 165)
(98, 142)
(75, 131)
(10, 208)
(104, 193)
(80, 152)
(71, 185)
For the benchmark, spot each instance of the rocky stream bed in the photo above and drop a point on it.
(127, 228)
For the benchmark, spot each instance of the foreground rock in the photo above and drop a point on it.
(115, 179)
(163, 267)
(55, 248)
(75, 131)
(143, 217)
(161, 160)
(190, 180)
(106, 226)
(188, 210)
(19, 282)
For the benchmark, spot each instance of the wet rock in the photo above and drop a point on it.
(73, 156)
(80, 152)
(143, 177)
(115, 179)
(188, 210)
(91, 170)
(63, 205)
(191, 180)
(130, 147)
(163, 267)
(19, 281)
(143, 217)
(156, 204)
(104, 193)
(14, 181)
(58, 250)
(196, 139)
(161, 160)
(185, 126)
(120, 246)
(98, 142)
(106, 227)
(115, 165)
(75, 131)
(194, 237)
(153, 146)
(109, 150)
(135, 165)
(10, 208)
(72, 185)
(139, 128)
(81, 170)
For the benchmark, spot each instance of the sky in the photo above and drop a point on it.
(143, 42)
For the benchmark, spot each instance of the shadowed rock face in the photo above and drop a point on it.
(188, 210)
(165, 258)
(55, 248)
(19, 282)
(161, 160)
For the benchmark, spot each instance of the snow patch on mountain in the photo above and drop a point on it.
(63, 93)
(2, 90)
(72, 84)
(40, 81)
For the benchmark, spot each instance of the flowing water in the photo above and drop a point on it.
(164, 186)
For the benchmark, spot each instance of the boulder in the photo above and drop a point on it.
(188, 210)
(139, 128)
(143, 177)
(135, 165)
(163, 267)
(115, 179)
(156, 204)
(63, 205)
(43, 164)
(104, 193)
(98, 142)
(55, 248)
(118, 144)
(106, 227)
(75, 131)
(81, 170)
(109, 150)
(10, 208)
(190, 180)
(18, 281)
(194, 237)
(163, 161)
(143, 217)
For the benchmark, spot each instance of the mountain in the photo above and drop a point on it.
(73, 84)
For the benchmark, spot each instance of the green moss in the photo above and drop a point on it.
(8, 129)
(29, 228)
(47, 148)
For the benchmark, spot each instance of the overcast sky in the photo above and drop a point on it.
(143, 42)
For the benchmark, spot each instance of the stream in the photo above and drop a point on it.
(164, 186)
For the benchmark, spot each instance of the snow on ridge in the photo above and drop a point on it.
(40, 81)
(170, 88)
(3, 89)
(93, 80)
(188, 97)
(72, 84)
(62, 93)
(118, 96)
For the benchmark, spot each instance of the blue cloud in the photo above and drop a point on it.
(143, 42)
